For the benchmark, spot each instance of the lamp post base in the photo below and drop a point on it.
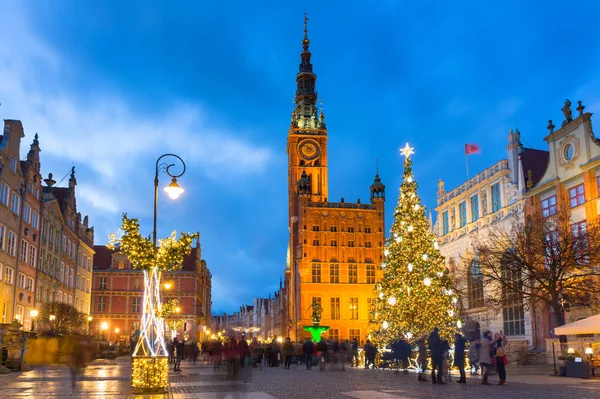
(150, 374)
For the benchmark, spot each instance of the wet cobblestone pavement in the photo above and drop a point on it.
(110, 379)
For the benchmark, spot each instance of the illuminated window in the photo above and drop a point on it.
(335, 308)
(316, 272)
(370, 274)
(353, 308)
(102, 283)
(334, 274)
(445, 224)
(354, 333)
(496, 199)
(101, 305)
(462, 213)
(334, 334)
(549, 206)
(353, 274)
(576, 196)
(474, 208)
(136, 305)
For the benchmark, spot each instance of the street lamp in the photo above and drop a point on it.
(104, 327)
(34, 313)
(167, 286)
(150, 368)
(90, 318)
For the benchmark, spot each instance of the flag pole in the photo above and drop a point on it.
(467, 162)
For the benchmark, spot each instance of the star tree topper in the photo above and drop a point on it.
(407, 151)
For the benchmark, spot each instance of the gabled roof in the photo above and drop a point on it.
(536, 161)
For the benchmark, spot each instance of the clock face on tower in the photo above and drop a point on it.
(309, 150)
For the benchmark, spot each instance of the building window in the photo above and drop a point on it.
(367, 229)
(513, 313)
(15, 203)
(368, 244)
(23, 253)
(317, 300)
(333, 229)
(316, 272)
(445, 224)
(32, 253)
(315, 243)
(576, 196)
(549, 206)
(136, 284)
(335, 308)
(12, 243)
(350, 243)
(333, 243)
(474, 208)
(334, 334)
(9, 275)
(371, 306)
(334, 274)
(462, 213)
(35, 220)
(354, 333)
(13, 164)
(2, 234)
(580, 242)
(4, 190)
(21, 281)
(475, 285)
(353, 308)
(353, 274)
(101, 304)
(102, 283)
(29, 284)
(370, 274)
(496, 199)
(598, 184)
(350, 229)
(315, 228)
(27, 213)
(136, 305)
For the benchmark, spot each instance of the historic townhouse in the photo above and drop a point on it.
(64, 270)
(335, 247)
(117, 293)
(495, 196)
(572, 178)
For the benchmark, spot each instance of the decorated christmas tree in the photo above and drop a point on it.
(416, 292)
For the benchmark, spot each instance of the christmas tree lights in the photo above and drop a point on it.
(415, 294)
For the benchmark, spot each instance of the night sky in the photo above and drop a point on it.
(111, 85)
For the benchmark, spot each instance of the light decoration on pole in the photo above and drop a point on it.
(416, 293)
(150, 368)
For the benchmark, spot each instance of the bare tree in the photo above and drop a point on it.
(547, 261)
(60, 319)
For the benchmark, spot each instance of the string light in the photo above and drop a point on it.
(392, 301)
(410, 228)
(425, 256)
(410, 267)
(427, 281)
(385, 325)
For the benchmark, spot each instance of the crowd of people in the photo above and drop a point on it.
(487, 353)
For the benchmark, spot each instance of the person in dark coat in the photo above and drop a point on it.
(179, 350)
(422, 359)
(436, 349)
(308, 350)
(459, 357)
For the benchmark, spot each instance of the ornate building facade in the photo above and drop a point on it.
(335, 247)
(572, 178)
(495, 196)
(117, 292)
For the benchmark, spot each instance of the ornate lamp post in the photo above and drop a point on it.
(150, 371)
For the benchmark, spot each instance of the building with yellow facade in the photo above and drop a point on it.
(335, 247)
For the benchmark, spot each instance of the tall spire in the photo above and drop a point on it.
(306, 97)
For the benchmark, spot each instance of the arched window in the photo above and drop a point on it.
(475, 285)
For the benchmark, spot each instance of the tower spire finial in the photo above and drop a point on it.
(305, 41)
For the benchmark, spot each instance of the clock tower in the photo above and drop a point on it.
(307, 136)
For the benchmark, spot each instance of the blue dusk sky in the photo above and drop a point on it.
(111, 85)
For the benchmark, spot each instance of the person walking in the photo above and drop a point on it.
(422, 359)
(474, 352)
(195, 352)
(179, 350)
(370, 352)
(354, 352)
(288, 352)
(435, 347)
(500, 357)
(308, 350)
(459, 357)
(487, 354)
(322, 354)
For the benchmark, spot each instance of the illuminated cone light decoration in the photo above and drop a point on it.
(415, 293)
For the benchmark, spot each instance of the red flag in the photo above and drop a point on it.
(472, 149)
